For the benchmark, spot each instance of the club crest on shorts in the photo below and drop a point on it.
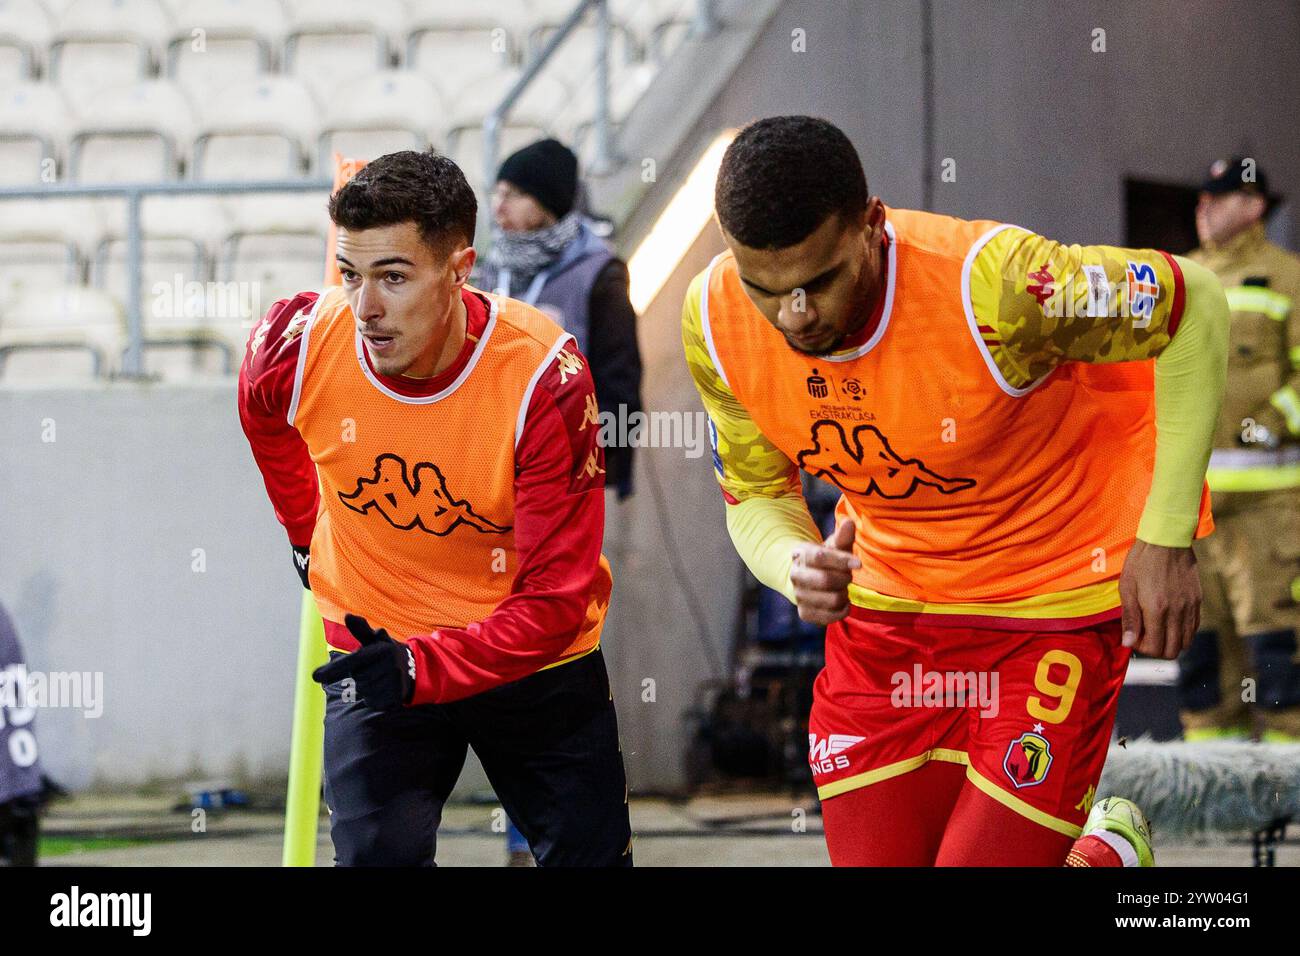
(1028, 759)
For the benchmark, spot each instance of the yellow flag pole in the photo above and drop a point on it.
(302, 805)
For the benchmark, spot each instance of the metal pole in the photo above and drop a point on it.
(493, 122)
(133, 358)
(604, 142)
(705, 23)
(491, 147)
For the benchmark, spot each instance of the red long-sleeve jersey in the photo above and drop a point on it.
(558, 519)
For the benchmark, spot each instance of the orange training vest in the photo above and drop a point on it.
(962, 490)
(416, 512)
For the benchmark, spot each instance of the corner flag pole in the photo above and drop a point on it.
(306, 750)
(302, 805)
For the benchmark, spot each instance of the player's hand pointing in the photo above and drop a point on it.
(1161, 597)
(821, 574)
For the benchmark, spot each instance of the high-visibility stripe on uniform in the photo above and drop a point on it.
(1250, 469)
(1286, 401)
(1249, 298)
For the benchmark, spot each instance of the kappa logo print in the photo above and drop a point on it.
(868, 464)
(420, 501)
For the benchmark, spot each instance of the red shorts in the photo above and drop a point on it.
(1028, 713)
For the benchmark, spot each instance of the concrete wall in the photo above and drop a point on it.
(1042, 129)
(98, 566)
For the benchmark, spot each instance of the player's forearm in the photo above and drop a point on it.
(765, 530)
(1190, 375)
(532, 627)
(286, 466)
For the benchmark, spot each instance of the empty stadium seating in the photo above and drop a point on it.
(25, 30)
(69, 318)
(216, 42)
(105, 91)
(34, 118)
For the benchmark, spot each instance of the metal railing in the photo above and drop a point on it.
(133, 195)
(704, 24)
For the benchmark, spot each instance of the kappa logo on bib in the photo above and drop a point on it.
(866, 464)
(421, 500)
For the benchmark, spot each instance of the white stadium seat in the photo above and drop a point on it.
(530, 119)
(275, 212)
(275, 247)
(34, 122)
(35, 262)
(551, 11)
(274, 266)
(217, 42)
(102, 43)
(447, 55)
(258, 129)
(515, 16)
(166, 263)
(542, 99)
(25, 30)
(381, 113)
(62, 319)
(133, 133)
(649, 19)
(574, 61)
(80, 223)
(329, 41)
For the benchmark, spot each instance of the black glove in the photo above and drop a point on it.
(384, 669)
(302, 564)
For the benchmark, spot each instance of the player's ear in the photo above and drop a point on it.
(874, 217)
(462, 264)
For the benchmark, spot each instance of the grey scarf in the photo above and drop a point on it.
(524, 254)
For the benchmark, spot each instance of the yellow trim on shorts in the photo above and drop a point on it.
(570, 659)
(1012, 802)
(859, 780)
(1009, 800)
(1078, 602)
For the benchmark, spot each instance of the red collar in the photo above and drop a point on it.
(476, 316)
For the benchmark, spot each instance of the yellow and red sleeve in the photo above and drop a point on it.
(766, 512)
(1040, 304)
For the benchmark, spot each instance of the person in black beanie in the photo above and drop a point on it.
(545, 253)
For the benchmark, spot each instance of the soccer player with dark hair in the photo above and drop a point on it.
(1019, 430)
(431, 451)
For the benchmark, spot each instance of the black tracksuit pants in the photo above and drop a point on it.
(548, 742)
